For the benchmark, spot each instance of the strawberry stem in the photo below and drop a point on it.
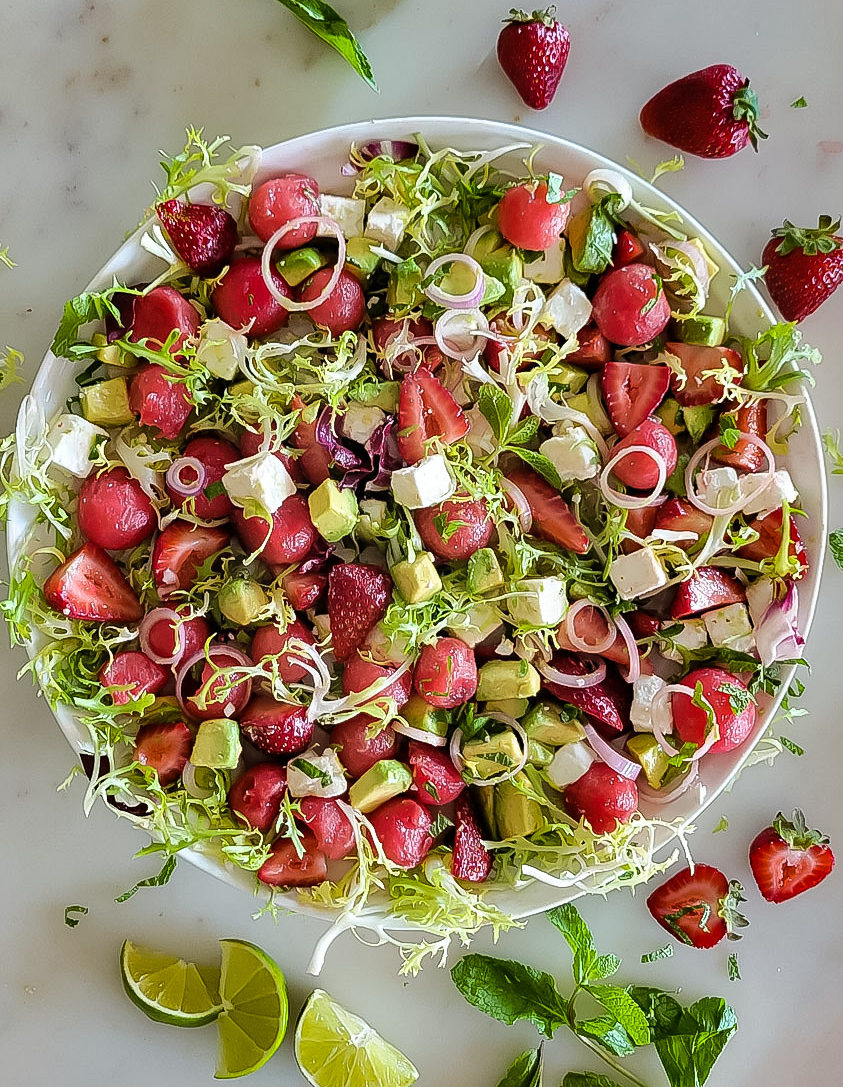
(811, 240)
(745, 108)
(547, 17)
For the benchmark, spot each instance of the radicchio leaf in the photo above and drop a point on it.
(397, 150)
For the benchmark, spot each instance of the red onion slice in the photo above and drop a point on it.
(457, 301)
(323, 221)
(419, 734)
(152, 619)
(187, 488)
(627, 501)
(566, 680)
(579, 643)
(618, 762)
(525, 514)
(455, 751)
(632, 648)
(659, 713)
(702, 452)
(234, 656)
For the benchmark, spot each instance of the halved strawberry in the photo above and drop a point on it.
(470, 860)
(303, 590)
(180, 550)
(135, 671)
(788, 858)
(593, 349)
(425, 410)
(164, 747)
(750, 419)
(769, 540)
(315, 461)
(607, 702)
(203, 235)
(708, 587)
(285, 868)
(591, 628)
(679, 515)
(358, 596)
(640, 522)
(552, 517)
(699, 908)
(89, 585)
(632, 391)
(692, 388)
(628, 248)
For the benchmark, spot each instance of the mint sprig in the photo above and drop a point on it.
(329, 25)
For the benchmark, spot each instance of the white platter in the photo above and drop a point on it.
(322, 154)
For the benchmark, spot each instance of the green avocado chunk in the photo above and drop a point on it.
(546, 724)
(333, 511)
(484, 574)
(217, 744)
(507, 679)
(381, 782)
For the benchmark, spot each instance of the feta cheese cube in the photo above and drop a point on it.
(567, 309)
(638, 574)
(387, 222)
(730, 628)
(570, 763)
(767, 493)
(360, 421)
(759, 596)
(549, 267)
(574, 455)
(423, 484)
(480, 438)
(693, 635)
(644, 690)
(346, 212)
(261, 480)
(476, 625)
(316, 773)
(71, 440)
(718, 487)
(541, 602)
(221, 348)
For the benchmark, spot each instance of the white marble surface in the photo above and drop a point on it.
(90, 90)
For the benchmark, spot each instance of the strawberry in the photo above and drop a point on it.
(690, 387)
(607, 701)
(708, 587)
(89, 585)
(285, 868)
(552, 517)
(769, 541)
(276, 728)
(303, 590)
(435, 778)
(425, 410)
(602, 797)
(471, 860)
(750, 419)
(804, 266)
(711, 113)
(787, 858)
(533, 50)
(593, 348)
(730, 701)
(628, 248)
(699, 907)
(135, 671)
(315, 460)
(180, 550)
(679, 515)
(358, 596)
(632, 391)
(164, 747)
(640, 523)
(203, 235)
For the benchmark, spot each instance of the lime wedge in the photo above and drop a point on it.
(335, 1048)
(167, 989)
(253, 1021)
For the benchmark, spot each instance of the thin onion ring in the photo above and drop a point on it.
(656, 796)
(579, 643)
(457, 301)
(525, 514)
(614, 759)
(455, 751)
(564, 679)
(448, 347)
(266, 256)
(151, 619)
(419, 734)
(232, 651)
(177, 484)
(625, 632)
(626, 501)
(703, 451)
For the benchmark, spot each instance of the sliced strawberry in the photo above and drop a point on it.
(456, 528)
(315, 461)
(134, 671)
(632, 391)
(733, 707)
(285, 868)
(385, 330)
(593, 349)
(426, 410)
(257, 794)
(769, 540)
(89, 585)
(641, 523)
(699, 908)
(471, 860)
(602, 797)
(276, 728)
(274, 642)
(708, 587)
(164, 747)
(203, 235)
(156, 315)
(637, 470)
(288, 539)
(329, 825)
(180, 550)
(435, 778)
(159, 401)
(679, 515)
(692, 388)
(358, 596)
(304, 590)
(788, 858)
(750, 419)
(607, 702)
(591, 628)
(643, 624)
(552, 517)
(628, 249)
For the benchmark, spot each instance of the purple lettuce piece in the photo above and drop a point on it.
(317, 558)
(383, 447)
(777, 636)
(397, 150)
(342, 456)
(125, 306)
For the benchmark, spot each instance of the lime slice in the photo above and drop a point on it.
(336, 1048)
(167, 989)
(253, 1021)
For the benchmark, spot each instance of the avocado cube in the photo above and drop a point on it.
(516, 815)
(107, 402)
(489, 756)
(546, 724)
(383, 395)
(381, 782)
(645, 748)
(568, 379)
(217, 744)
(359, 258)
(671, 415)
(242, 600)
(538, 754)
(333, 511)
(505, 267)
(698, 419)
(484, 574)
(241, 388)
(477, 624)
(513, 707)
(507, 679)
(295, 267)
(372, 514)
(421, 715)
(705, 329)
(594, 411)
(418, 580)
(109, 353)
(404, 288)
(484, 801)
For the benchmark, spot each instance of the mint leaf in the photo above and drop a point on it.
(524, 432)
(509, 991)
(604, 966)
(620, 1004)
(607, 1032)
(496, 406)
(687, 1040)
(665, 952)
(152, 881)
(800, 103)
(539, 463)
(578, 937)
(835, 544)
(587, 1079)
(69, 912)
(525, 1070)
(734, 968)
(790, 746)
(329, 25)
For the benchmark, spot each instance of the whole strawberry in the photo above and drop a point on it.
(203, 235)
(712, 113)
(533, 50)
(804, 266)
(788, 858)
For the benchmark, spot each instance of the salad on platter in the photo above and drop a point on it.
(403, 546)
